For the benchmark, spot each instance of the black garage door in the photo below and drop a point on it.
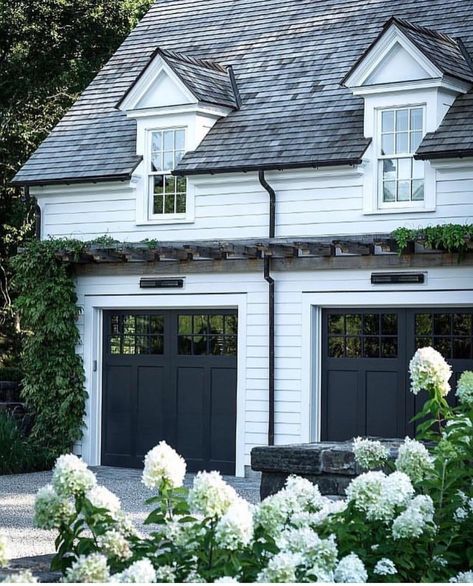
(170, 375)
(366, 354)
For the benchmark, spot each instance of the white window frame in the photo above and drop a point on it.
(149, 181)
(395, 205)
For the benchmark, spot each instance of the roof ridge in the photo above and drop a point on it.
(422, 29)
(207, 63)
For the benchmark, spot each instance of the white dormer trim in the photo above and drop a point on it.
(378, 52)
(143, 85)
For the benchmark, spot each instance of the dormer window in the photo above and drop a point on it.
(400, 176)
(167, 193)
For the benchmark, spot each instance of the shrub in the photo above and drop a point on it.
(17, 453)
(413, 523)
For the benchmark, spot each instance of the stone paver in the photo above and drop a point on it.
(17, 499)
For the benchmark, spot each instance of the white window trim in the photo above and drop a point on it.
(373, 204)
(148, 218)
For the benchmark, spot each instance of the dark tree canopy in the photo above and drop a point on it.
(49, 51)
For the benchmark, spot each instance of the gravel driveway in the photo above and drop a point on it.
(17, 498)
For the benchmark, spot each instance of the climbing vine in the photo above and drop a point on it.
(53, 385)
(454, 238)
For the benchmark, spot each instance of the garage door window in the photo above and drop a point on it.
(356, 335)
(136, 334)
(207, 334)
(449, 333)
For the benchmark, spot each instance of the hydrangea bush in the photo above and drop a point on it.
(403, 520)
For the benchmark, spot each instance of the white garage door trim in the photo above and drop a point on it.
(94, 306)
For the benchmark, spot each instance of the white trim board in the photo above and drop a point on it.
(312, 305)
(94, 306)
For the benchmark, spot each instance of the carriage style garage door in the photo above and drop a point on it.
(366, 354)
(170, 375)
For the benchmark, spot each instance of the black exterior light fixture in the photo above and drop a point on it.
(153, 283)
(397, 278)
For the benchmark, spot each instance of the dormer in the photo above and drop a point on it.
(175, 100)
(408, 77)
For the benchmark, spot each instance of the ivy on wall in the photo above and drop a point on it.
(53, 385)
(454, 238)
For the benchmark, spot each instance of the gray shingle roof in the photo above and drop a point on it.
(288, 56)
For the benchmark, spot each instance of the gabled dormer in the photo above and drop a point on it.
(175, 100)
(408, 77)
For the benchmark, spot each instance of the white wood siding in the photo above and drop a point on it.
(309, 203)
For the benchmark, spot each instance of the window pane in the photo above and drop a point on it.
(418, 190)
(336, 324)
(461, 348)
(442, 324)
(184, 345)
(353, 346)
(402, 142)
(169, 184)
(169, 203)
(201, 324)
(156, 162)
(156, 345)
(158, 204)
(353, 324)
(424, 324)
(416, 139)
(371, 324)
(216, 324)
(404, 168)
(156, 139)
(177, 157)
(180, 203)
(417, 169)
(199, 345)
(388, 347)
(185, 324)
(416, 119)
(168, 140)
(402, 120)
(168, 161)
(387, 147)
(462, 324)
(389, 169)
(404, 191)
(371, 347)
(158, 184)
(389, 323)
(336, 347)
(387, 121)
(179, 140)
(389, 191)
(231, 323)
(181, 184)
(156, 324)
(444, 346)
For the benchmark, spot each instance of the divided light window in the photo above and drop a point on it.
(401, 177)
(167, 193)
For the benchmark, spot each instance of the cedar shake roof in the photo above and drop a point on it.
(288, 57)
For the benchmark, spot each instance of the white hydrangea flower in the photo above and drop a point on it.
(281, 568)
(464, 390)
(273, 513)
(379, 495)
(463, 578)
(140, 572)
(102, 498)
(350, 569)
(3, 551)
(124, 524)
(226, 580)
(412, 522)
(23, 577)
(369, 454)
(194, 578)
(460, 514)
(52, 510)
(429, 371)
(414, 459)
(166, 574)
(319, 553)
(114, 545)
(163, 467)
(88, 569)
(210, 495)
(306, 494)
(71, 477)
(235, 528)
(385, 567)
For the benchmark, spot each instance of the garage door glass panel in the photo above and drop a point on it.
(210, 334)
(136, 334)
(449, 333)
(370, 335)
